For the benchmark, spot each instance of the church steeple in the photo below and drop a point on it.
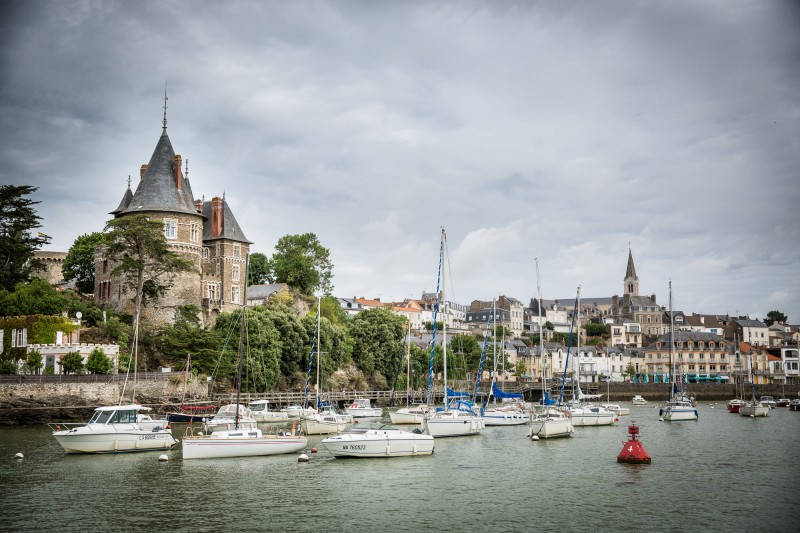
(631, 281)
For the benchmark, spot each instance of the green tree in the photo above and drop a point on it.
(72, 363)
(519, 370)
(332, 310)
(33, 362)
(595, 330)
(18, 219)
(186, 336)
(775, 316)
(630, 371)
(259, 270)
(79, 263)
(549, 326)
(35, 298)
(8, 367)
(144, 261)
(303, 263)
(377, 337)
(98, 362)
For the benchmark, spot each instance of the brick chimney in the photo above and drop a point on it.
(216, 216)
(142, 170)
(177, 171)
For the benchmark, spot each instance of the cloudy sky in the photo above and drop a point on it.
(563, 131)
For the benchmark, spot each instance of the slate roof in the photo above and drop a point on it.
(230, 227)
(751, 324)
(125, 202)
(694, 336)
(157, 190)
(260, 292)
(630, 272)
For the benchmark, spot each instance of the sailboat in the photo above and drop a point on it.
(410, 414)
(324, 421)
(737, 402)
(679, 406)
(452, 420)
(584, 414)
(753, 407)
(548, 420)
(239, 441)
(508, 414)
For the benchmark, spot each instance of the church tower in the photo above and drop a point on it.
(631, 281)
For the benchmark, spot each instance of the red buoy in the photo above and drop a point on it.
(633, 451)
(313, 450)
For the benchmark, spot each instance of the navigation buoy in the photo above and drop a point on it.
(313, 450)
(19, 456)
(535, 437)
(163, 457)
(632, 451)
(303, 458)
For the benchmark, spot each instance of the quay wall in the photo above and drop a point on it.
(38, 400)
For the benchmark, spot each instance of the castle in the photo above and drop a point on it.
(204, 232)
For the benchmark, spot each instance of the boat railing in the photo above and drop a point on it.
(63, 426)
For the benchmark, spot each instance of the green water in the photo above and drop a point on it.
(724, 472)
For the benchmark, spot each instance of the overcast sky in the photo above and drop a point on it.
(563, 131)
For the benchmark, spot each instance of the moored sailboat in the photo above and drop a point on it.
(679, 406)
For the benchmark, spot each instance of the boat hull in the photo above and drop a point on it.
(121, 440)
(443, 425)
(551, 428)
(757, 409)
(364, 412)
(188, 418)
(403, 416)
(229, 445)
(505, 418)
(379, 444)
(678, 413)
(323, 426)
(591, 416)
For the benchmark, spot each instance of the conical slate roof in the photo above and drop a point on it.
(230, 228)
(631, 271)
(158, 190)
(125, 202)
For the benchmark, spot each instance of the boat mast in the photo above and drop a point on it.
(241, 344)
(494, 349)
(577, 349)
(541, 332)
(444, 318)
(408, 365)
(671, 340)
(319, 351)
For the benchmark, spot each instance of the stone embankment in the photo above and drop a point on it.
(30, 400)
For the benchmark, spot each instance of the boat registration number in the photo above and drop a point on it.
(150, 437)
(354, 447)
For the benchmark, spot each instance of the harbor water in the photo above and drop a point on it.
(724, 472)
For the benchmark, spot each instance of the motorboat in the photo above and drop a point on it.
(226, 418)
(362, 408)
(549, 422)
(754, 408)
(242, 442)
(115, 428)
(769, 401)
(259, 409)
(295, 410)
(782, 402)
(326, 422)
(381, 442)
(507, 415)
(794, 405)
(677, 409)
(616, 408)
(734, 405)
(591, 415)
(638, 400)
(408, 415)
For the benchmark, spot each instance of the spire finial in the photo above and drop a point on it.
(129, 181)
(165, 107)
(223, 195)
(187, 168)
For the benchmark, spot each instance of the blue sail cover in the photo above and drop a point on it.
(497, 393)
(451, 394)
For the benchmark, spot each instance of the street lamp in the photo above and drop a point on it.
(79, 315)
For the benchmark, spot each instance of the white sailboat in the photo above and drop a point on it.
(410, 414)
(548, 421)
(328, 420)
(451, 421)
(378, 443)
(679, 406)
(513, 412)
(753, 407)
(241, 441)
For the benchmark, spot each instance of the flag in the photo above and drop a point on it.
(43, 236)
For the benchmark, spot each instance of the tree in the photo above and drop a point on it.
(630, 371)
(17, 242)
(260, 270)
(377, 337)
(33, 362)
(595, 330)
(549, 326)
(775, 316)
(72, 362)
(98, 362)
(303, 263)
(35, 298)
(79, 263)
(144, 261)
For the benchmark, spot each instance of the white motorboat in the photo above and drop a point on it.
(226, 418)
(616, 408)
(506, 415)
(754, 408)
(362, 408)
(326, 422)
(115, 428)
(591, 415)
(260, 411)
(452, 423)
(408, 415)
(550, 422)
(638, 400)
(240, 443)
(676, 410)
(769, 401)
(379, 443)
(296, 410)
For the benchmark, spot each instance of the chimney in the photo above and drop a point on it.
(198, 205)
(216, 216)
(702, 320)
(142, 170)
(177, 171)
(653, 297)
